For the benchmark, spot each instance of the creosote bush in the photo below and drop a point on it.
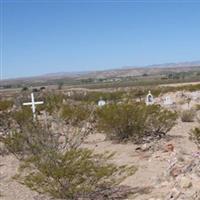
(197, 107)
(53, 102)
(95, 96)
(22, 116)
(5, 105)
(62, 170)
(135, 122)
(71, 175)
(75, 114)
(195, 136)
(188, 116)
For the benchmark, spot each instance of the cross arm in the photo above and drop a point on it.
(27, 104)
(39, 102)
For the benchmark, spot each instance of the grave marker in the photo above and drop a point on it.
(101, 103)
(168, 101)
(33, 104)
(149, 99)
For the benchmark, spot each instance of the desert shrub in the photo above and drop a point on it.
(24, 89)
(22, 116)
(13, 143)
(60, 85)
(188, 115)
(134, 121)
(197, 107)
(139, 93)
(42, 88)
(64, 173)
(74, 174)
(195, 136)
(4, 121)
(119, 121)
(35, 90)
(5, 105)
(30, 139)
(53, 102)
(159, 120)
(75, 114)
(95, 96)
(3, 150)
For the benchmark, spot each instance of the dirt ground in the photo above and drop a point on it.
(158, 168)
(152, 165)
(180, 84)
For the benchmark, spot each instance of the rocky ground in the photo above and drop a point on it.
(166, 169)
(169, 167)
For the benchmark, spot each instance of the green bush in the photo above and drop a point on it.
(75, 114)
(195, 136)
(22, 116)
(74, 174)
(5, 105)
(197, 107)
(24, 89)
(30, 138)
(95, 96)
(159, 120)
(134, 121)
(4, 121)
(188, 116)
(64, 173)
(13, 143)
(60, 85)
(52, 102)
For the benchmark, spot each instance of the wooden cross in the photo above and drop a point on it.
(33, 103)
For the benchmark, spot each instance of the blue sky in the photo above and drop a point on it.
(53, 36)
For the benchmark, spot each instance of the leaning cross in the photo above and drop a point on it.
(33, 103)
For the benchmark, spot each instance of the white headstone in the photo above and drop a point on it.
(149, 99)
(32, 104)
(101, 103)
(69, 93)
(168, 101)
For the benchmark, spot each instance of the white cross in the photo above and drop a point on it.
(33, 103)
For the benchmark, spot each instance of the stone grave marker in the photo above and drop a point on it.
(168, 101)
(101, 102)
(149, 99)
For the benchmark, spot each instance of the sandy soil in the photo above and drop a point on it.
(180, 84)
(152, 165)
(9, 188)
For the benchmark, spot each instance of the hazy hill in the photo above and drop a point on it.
(158, 69)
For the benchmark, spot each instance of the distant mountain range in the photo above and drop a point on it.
(150, 70)
(120, 72)
(168, 65)
(129, 70)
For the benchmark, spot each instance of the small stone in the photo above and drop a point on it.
(145, 147)
(169, 148)
(175, 171)
(180, 158)
(174, 194)
(185, 182)
(165, 184)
